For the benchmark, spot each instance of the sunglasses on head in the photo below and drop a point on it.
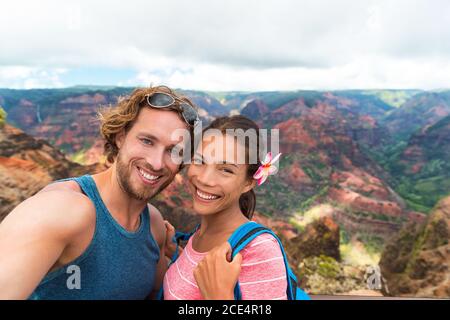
(161, 100)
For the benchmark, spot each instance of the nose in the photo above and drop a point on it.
(205, 175)
(156, 160)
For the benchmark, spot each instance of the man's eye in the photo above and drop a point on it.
(178, 152)
(197, 160)
(147, 141)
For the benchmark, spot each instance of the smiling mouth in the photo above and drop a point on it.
(205, 196)
(148, 177)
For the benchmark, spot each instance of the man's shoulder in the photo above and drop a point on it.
(68, 185)
(67, 194)
(63, 208)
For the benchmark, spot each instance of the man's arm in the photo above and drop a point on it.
(158, 229)
(34, 235)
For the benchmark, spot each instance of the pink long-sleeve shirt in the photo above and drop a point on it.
(262, 277)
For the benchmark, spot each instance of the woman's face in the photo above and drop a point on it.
(215, 178)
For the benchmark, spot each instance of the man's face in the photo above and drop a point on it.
(144, 163)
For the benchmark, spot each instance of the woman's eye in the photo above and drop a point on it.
(227, 170)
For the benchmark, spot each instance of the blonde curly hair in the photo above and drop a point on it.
(121, 117)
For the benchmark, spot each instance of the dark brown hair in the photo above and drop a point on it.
(121, 117)
(247, 201)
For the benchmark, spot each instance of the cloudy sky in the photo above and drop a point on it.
(226, 45)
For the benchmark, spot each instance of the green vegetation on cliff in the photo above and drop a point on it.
(2, 116)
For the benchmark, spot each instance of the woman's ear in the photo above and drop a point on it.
(250, 185)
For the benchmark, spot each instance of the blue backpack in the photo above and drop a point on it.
(238, 241)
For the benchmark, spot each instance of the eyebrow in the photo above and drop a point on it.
(221, 162)
(228, 163)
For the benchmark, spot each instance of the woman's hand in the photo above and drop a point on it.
(170, 246)
(216, 276)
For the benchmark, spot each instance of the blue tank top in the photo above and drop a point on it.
(117, 264)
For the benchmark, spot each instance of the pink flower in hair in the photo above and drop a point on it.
(266, 168)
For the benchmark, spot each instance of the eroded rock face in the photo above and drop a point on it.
(320, 237)
(72, 125)
(416, 262)
(319, 139)
(426, 161)
(315, 258)
(325, 275)
(318, 130)
(255, 110)
(27, 165)
(425, 109)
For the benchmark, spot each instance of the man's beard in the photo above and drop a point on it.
(124, 180)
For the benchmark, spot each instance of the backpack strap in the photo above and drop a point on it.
(242, 236)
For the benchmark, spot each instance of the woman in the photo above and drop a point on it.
(223, 196)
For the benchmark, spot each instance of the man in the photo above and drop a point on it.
(96, 237)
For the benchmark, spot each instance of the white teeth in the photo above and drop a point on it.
(148, 176)
(206, 196)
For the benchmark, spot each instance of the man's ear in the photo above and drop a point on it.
(250, 185)
(120, 137)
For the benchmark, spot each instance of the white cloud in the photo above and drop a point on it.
(367, 73)
(18, 77)
(258, 45)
